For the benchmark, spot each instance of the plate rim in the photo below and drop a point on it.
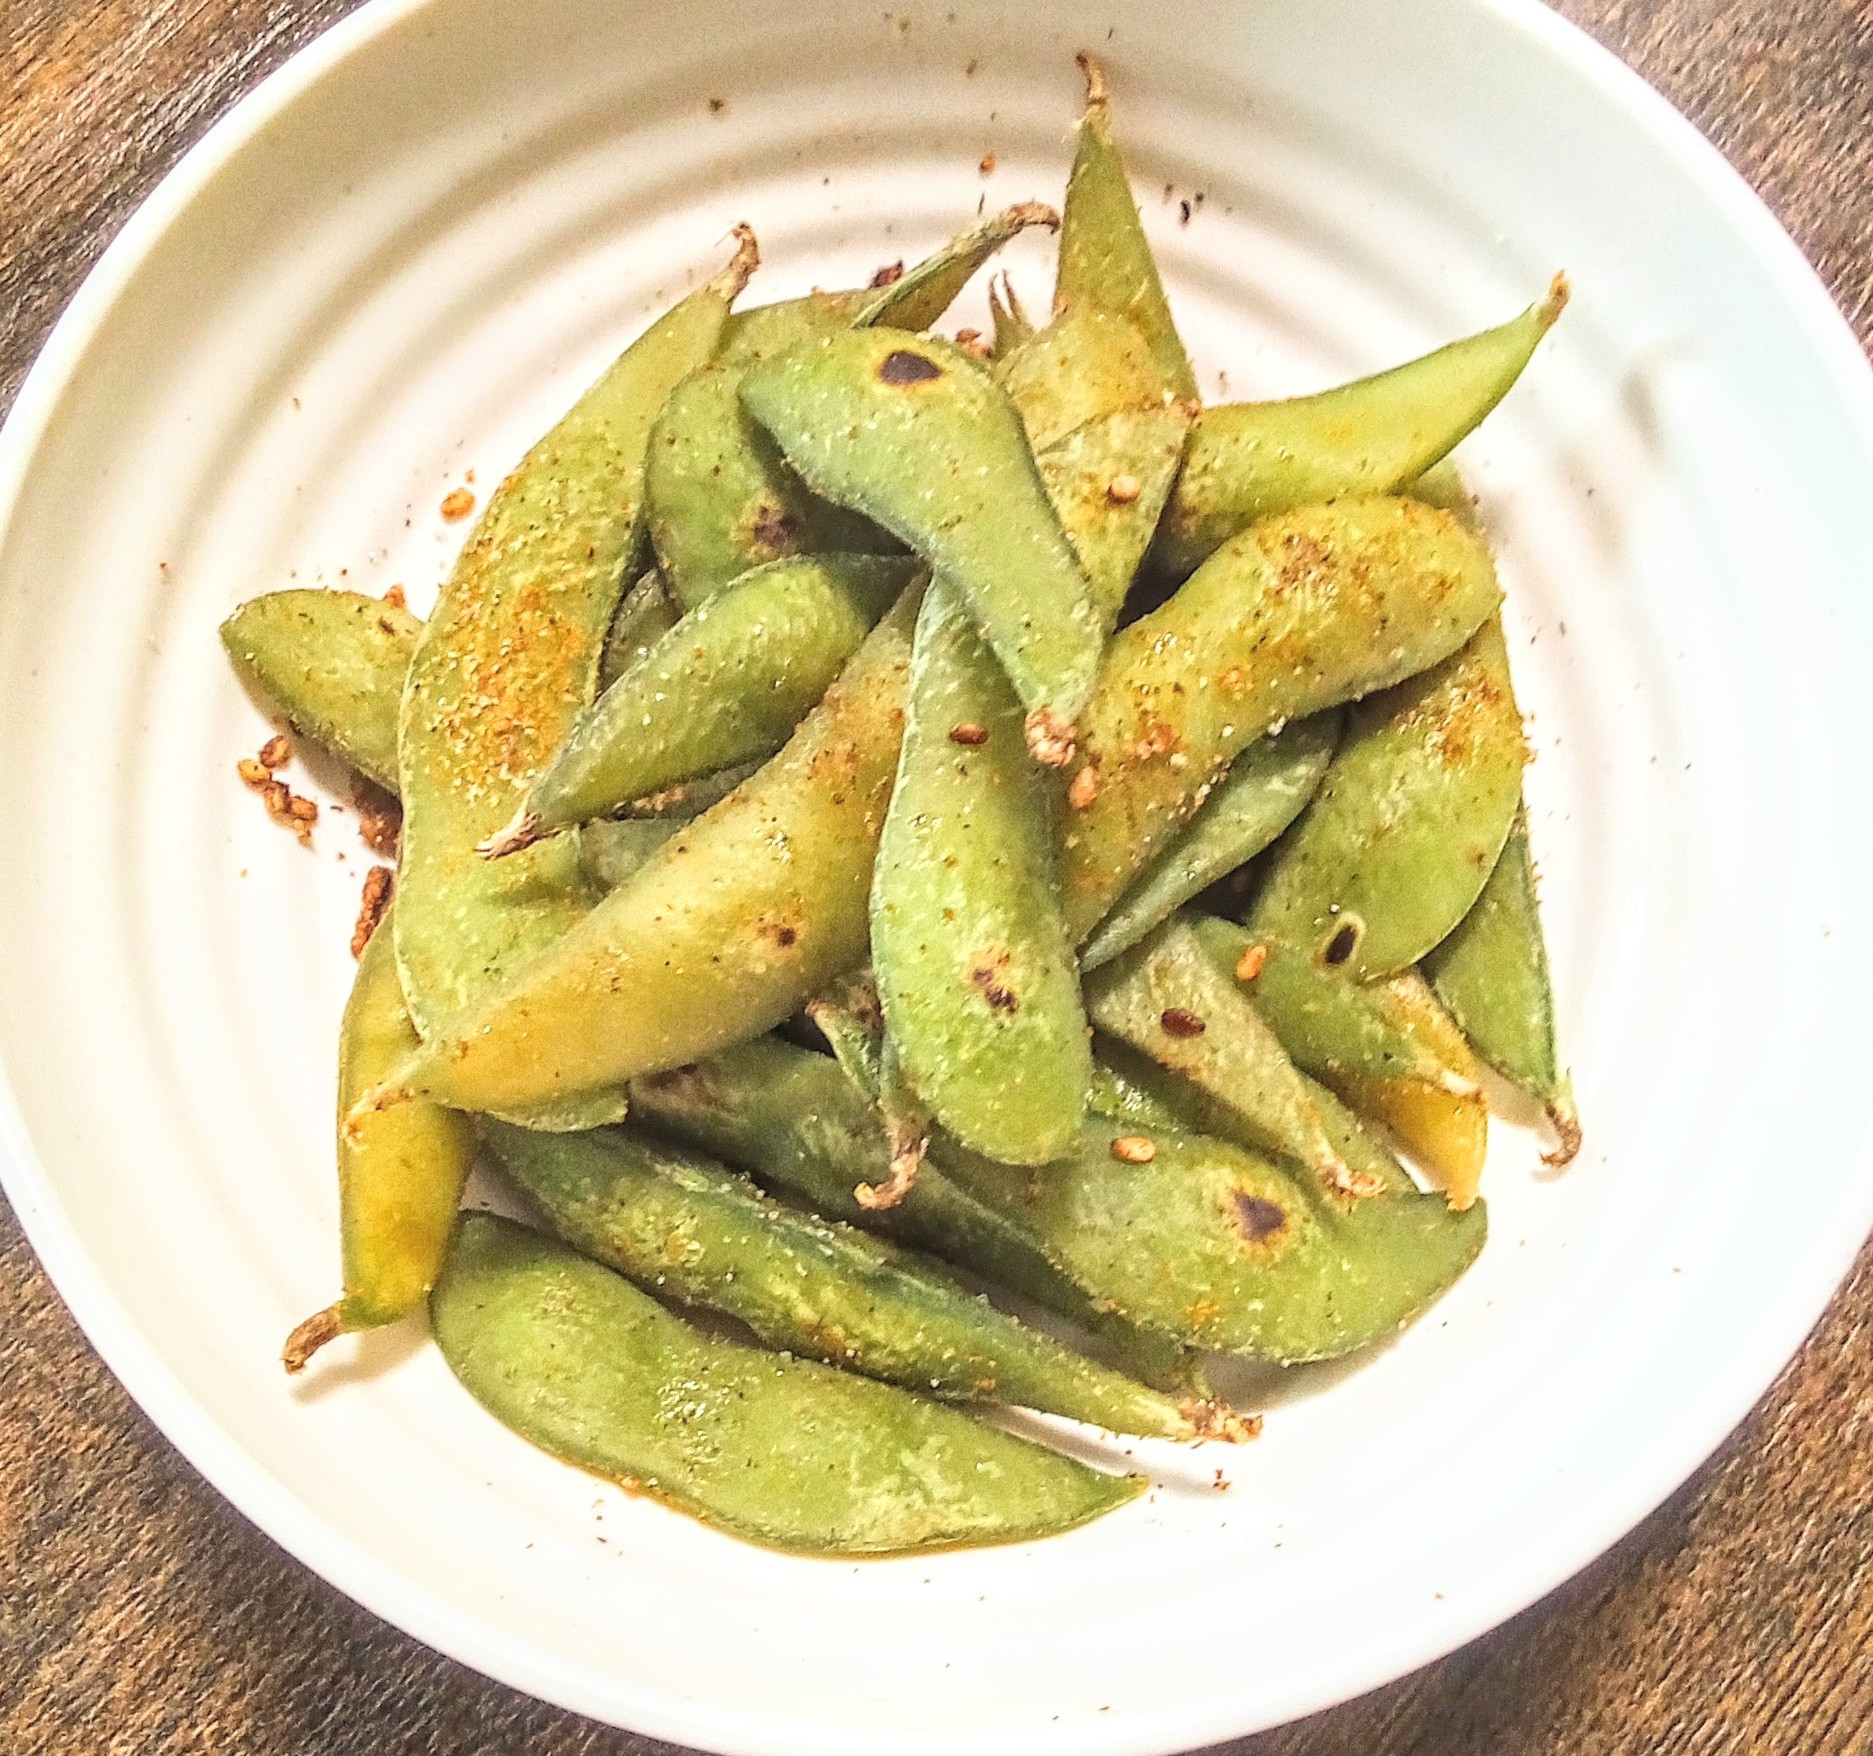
(427, 1616)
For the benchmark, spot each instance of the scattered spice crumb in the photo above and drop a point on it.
(283, 806)
(717, 106)
(1221, 1483)
(889, 275)
(968, 732)
(276, 752)
(1249, 964)
(379, 881)
(1183, 213)
(395, 599)
(1122, 490)
(1085, 788)
(380, 819)
(1179, 1023)
(1134, 1149)
(971, 67)
(987, 166)
(972, 343)
(457, 504)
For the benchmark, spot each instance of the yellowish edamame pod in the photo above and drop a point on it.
(684, 1228)
(1295, 615)
(1250, 460)
(400, 1174)
(783, 1452)
(1492, 973)
(975, 973)
(1266, 788)
(1086, 363)
(727, 684)
(1167, 999)
(333, 662)
(506, 661)
(913, 433)
(1105, 262)
(725, 931)
(1409, 822)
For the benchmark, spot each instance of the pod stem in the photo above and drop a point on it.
(526, 828)
(1211, 1418)
(907, 1153)
(741, 265)
(1097, 91)
(1555, 303)
(311, 1335)
(1565, 1120)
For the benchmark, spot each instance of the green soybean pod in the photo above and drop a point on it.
(400, 1174)
(1167, 999)
(722, 498)
(613, 848)
(1108, 481)
(796, 1121)
(1266, 788)
(1409, 822)
(724, 932)
(975, 974)
(1012, 324)
(1105, 261)
(686, 1229)
(333, 662)
(505, 662)
(914, 434)
(1086, 363)
(1492, 973)
(644, 616)
(1295, 615)
(729, 683)
(786, 1453)
(1250, 460)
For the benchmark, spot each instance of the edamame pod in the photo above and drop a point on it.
(613, 848)
(1250, 460)
(1166, 999)
(644, 617)
(1013, 326)
(1105, 261)
(975, 974)
(509, 656)
(913, 433)
(684, 1228)
(1409, 822)
(333, 662)
(400, 1174)
(728, 928)
(1086, 363)
(727, 684)
(1108, 481)
(1492, 973)
(787, 1453)
(1266, 788)
(721, 497)
(798, 1122)
(1295, 615)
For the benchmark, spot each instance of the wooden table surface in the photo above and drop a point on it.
(140, 1613)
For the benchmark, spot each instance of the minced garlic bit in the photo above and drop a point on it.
(276, 752)
(457, 504)
(283, 807)
(1085, 788)
(380, 820)
(395, 599)
(379, 881)
(1122, 490)
(968, 732)
(1134, 1149)
(1249, 964)
(1051, 739)
(1178, 1022)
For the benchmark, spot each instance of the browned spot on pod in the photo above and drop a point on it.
(987, 973)
(1179, 1023)
(901, 366)
(1259, 1218)
(773, 530)
(1341, 944)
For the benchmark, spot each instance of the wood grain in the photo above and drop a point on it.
(139, 1613)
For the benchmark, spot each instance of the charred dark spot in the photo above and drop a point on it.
(783, 933)
(889, 275)
(903, 367)
(1259, 1218)
(987, 975)
(1343, 943)
(1179, 1023)
(774, 531)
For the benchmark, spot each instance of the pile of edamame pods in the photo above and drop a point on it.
(885, 816)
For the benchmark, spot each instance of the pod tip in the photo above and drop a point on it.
(311, 1335)
(1051, 738)
(1559, 292)
(1031, 213)
(525, 829)
(907, 1152)
(1565, 1120)
(1097, 92)
(1342, 1179)
(741, 265)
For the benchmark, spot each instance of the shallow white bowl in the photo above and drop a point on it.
(406, 253)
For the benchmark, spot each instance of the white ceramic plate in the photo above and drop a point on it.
(399, 260)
